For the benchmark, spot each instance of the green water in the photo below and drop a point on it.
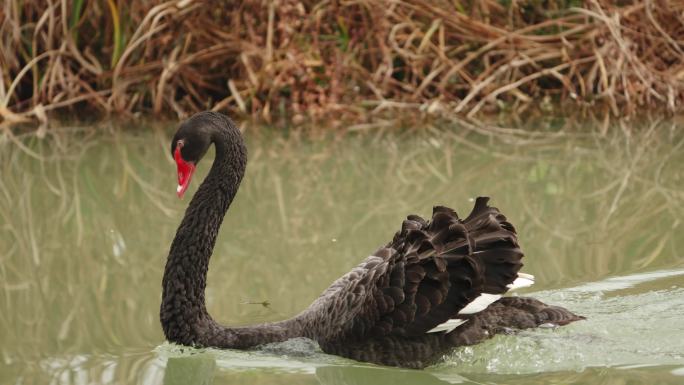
(87, 215)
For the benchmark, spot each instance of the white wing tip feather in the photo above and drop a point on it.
(480, 303)
(448, 326)
(523, 280)
(525, 275)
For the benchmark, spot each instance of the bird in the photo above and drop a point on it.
(437, 285)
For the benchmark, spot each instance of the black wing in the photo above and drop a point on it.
(425, 276)
(439, 267)
(384, 309)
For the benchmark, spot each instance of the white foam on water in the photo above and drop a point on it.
(630, 331)
(678, 371)
(619, 283)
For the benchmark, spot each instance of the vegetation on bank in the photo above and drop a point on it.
(301, 59)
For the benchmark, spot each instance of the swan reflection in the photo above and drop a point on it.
(203, 367)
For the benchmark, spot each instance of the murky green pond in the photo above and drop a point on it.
(87, 215)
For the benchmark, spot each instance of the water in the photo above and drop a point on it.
(87, 215)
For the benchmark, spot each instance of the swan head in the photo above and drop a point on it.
(189, 144)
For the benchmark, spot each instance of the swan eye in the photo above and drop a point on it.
(185, 155)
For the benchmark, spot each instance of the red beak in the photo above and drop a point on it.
(185, 171)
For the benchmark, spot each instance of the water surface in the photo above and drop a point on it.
(87, 215)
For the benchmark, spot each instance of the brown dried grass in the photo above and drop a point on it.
(335, 59)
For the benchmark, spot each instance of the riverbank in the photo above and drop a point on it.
(304, 60)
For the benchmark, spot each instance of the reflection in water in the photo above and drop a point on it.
(195, 369)
(200, 368)
(360, 375)
(84, 369)
(86, 220)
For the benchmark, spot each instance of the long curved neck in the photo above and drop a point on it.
(183, 313)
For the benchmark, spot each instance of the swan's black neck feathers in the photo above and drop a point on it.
(184, 316)
(392, 309)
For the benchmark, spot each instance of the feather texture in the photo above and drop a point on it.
(437, 285)
(431, 271)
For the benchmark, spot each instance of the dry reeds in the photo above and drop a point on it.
(343, 59)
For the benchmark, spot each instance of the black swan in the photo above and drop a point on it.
(437, 285)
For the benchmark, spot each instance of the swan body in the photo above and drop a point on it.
(437, 285)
